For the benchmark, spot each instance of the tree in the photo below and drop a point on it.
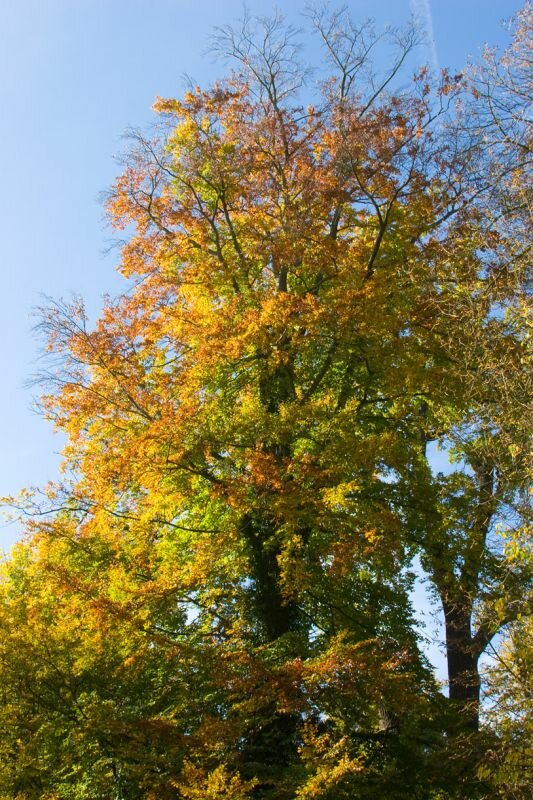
(472, 576)
(316, 294)
(509, 691)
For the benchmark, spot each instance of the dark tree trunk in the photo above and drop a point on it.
(463, 672)
(275, 615)
(270, 744)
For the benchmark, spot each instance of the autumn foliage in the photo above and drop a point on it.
(216, 601)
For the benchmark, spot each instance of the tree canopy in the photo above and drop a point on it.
(215, 602)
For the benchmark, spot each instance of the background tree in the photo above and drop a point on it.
(508, 686)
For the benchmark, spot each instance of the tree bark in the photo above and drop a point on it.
(275, 615)
(463, 672)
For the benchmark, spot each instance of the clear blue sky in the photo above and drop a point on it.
(74, 74)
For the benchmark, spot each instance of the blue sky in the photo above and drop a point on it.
(74, 74)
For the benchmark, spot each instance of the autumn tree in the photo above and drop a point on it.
(509, 694)
(316, 294)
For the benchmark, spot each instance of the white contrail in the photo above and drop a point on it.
(421, 9)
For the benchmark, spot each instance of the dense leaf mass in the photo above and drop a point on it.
(216, 601)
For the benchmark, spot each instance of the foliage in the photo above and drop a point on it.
(215, 602)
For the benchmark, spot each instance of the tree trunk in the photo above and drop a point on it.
(463, 672)
(271, 742)
(275, 615)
